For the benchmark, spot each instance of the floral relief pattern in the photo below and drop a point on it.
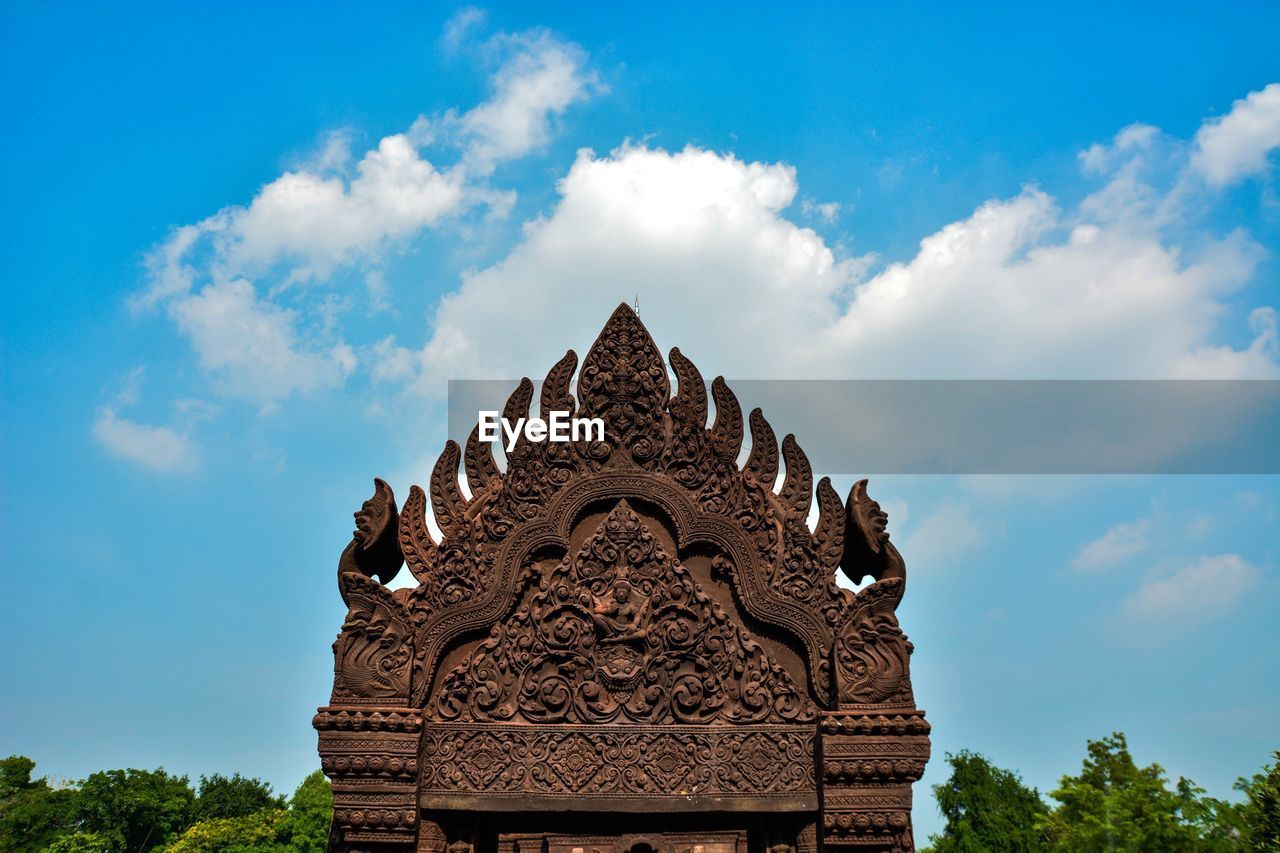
(612, 761)
(620, 631)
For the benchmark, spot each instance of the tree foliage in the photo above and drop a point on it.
(233, 796)
(1112, 804)
(305, 828)
(1260, 812)
(33, 814)
(987, 809)
(123, 811)
(1115, 805)
(81, 842)
(253, 833)
(135, 809)
(302, 828)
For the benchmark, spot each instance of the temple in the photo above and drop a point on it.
(634, 645)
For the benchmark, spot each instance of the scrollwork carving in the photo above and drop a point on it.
(872, 654)
(373, 653)
(619, 630)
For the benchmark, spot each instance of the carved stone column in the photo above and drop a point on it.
(370, 753)
(876, 743)
(870, 757)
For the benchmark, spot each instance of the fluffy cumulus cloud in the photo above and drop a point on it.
(698, 235)
(543, 79)
(1118, 544)
(1127, 283)
(1170, 604)
(1239, 144)
(157, 448)
(1117, 286)
(252, 346)
(230, 282)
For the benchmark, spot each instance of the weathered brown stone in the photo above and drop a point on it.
(626, 646)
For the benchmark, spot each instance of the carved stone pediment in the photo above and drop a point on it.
(639, 624)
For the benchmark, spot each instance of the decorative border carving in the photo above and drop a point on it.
(601, 767)
(371, 755)
(870, 757)
(894, 722)
(367, 719)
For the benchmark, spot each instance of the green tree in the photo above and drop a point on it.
(1260, 812)
(305, 828)
(32, 812)
(302, 828)
(233, 796)
(987, 809)
(254, 833)
(135, 810)
(15, 776)
(1115, 805)
(81, 842)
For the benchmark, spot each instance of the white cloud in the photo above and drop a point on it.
(697, 235)
(946, 533)
(223, 280)
(826, 211)
(1115, 546)
(317, 222)
(311, 221)
(1102, 158)
(461, 26)
(251, 346)
(391, 363)
(1238, 144)
(158, 448)
(1018, 289)
(542, 79)
(1022, 287)
(1174, 603)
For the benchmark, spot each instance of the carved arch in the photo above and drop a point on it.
(692, 526)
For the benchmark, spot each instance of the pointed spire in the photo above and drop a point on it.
(624, 381)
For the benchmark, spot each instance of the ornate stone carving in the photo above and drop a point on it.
(634, 624)
(870, 759)
(373, 653)
(671, 768)
(374, 550)
(619, 630)
(370, 753)
(872, 653)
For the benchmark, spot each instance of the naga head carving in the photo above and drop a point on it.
(375, 515)
(868, 550)
(872, 521)
(374, 549)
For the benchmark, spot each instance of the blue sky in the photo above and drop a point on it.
(245, 247)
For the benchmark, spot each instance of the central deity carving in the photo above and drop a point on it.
(619, 630)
